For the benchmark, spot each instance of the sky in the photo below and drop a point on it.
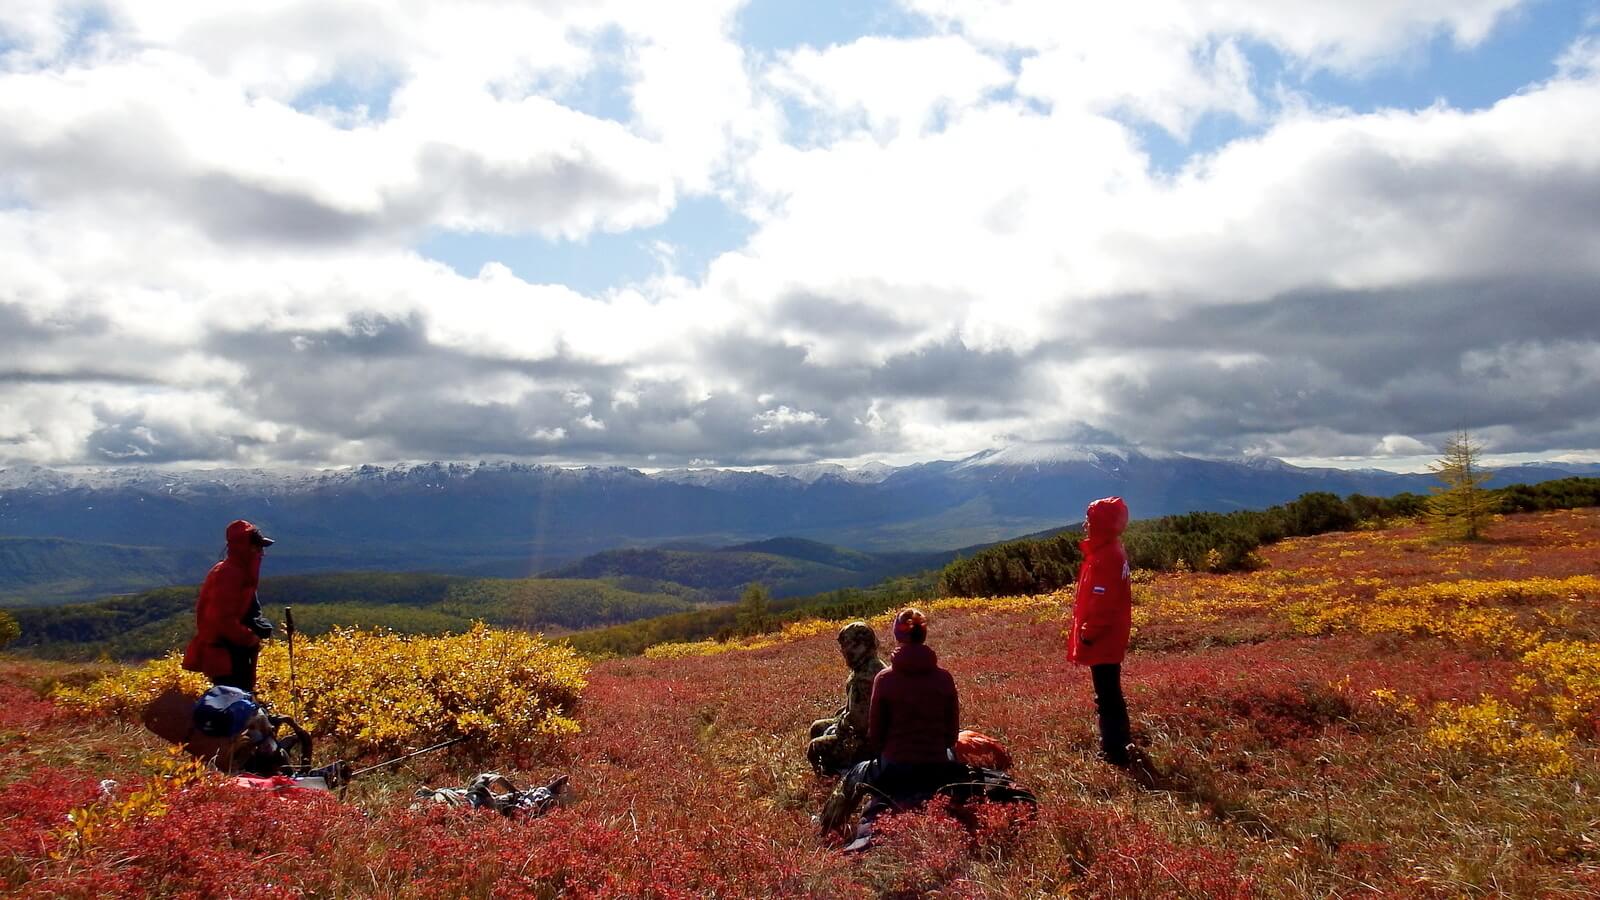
(715, 232)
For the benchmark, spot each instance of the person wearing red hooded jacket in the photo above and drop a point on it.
(1102, 616)
(229, 625)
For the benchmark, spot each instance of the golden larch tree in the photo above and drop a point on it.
(1459, 507)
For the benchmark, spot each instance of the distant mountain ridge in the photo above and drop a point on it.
(514, 520)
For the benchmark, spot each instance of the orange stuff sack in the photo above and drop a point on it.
(974, 748)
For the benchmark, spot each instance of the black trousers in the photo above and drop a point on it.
(243, 676)
(1113, 711)
(888, 785)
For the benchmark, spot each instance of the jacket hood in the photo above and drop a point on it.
(913, 659)
(243, 551)
(1106, 520)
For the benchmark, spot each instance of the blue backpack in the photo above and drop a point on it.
(224, 711)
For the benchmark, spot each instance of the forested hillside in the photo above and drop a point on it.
(47, 570)
(786, 566)
(153, 622)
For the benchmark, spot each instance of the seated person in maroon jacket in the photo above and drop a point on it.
(915, 713)
(913, 721)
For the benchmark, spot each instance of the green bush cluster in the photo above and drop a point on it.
(1567, 493)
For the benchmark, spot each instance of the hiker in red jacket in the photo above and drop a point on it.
(1102, 615)
(229, 625)
(913, 720)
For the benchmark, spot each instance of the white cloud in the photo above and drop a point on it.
(894, 85)
(155, 135)
(1355, 34)
(1400, 445)
(1171, 61)
(959, 241)
(783, 418)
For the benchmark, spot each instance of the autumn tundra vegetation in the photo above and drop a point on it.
(1373, 709)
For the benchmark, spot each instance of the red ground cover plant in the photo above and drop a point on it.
(1285, 764)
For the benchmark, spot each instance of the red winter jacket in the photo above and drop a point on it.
(225, 602)
(914, 714)
(1102, 609)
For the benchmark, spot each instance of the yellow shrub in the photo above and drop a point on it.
(125, 693)
(805, 628)
(1491, 731)
(1570, 672)
(1320, 615)
(1467, 611)
(1391, 700)
(681, 649)
(1054, 602)
(1044, 604)
(376, 691)
(1481, 593)
(174, 771)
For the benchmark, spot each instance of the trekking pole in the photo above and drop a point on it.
(288, 627)
(389, 762)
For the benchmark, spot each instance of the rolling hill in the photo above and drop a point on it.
(609, 588)
(151, 623)
(45, 570)
(786, 566)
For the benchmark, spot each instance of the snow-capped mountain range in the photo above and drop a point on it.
(514, 518)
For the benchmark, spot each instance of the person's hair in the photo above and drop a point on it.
(911, 626)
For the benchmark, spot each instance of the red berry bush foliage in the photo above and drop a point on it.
(1281, 763)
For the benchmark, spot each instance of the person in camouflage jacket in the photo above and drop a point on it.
(840, 741)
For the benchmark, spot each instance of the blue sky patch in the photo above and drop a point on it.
(603, 91)
(699, 230)
(1519, 52)
(775, 25)
(350, 94)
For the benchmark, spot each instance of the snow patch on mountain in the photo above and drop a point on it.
(1038, 455)
(811, 473)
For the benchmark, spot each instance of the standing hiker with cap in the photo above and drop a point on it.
(1102, 617)
(229, 626)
